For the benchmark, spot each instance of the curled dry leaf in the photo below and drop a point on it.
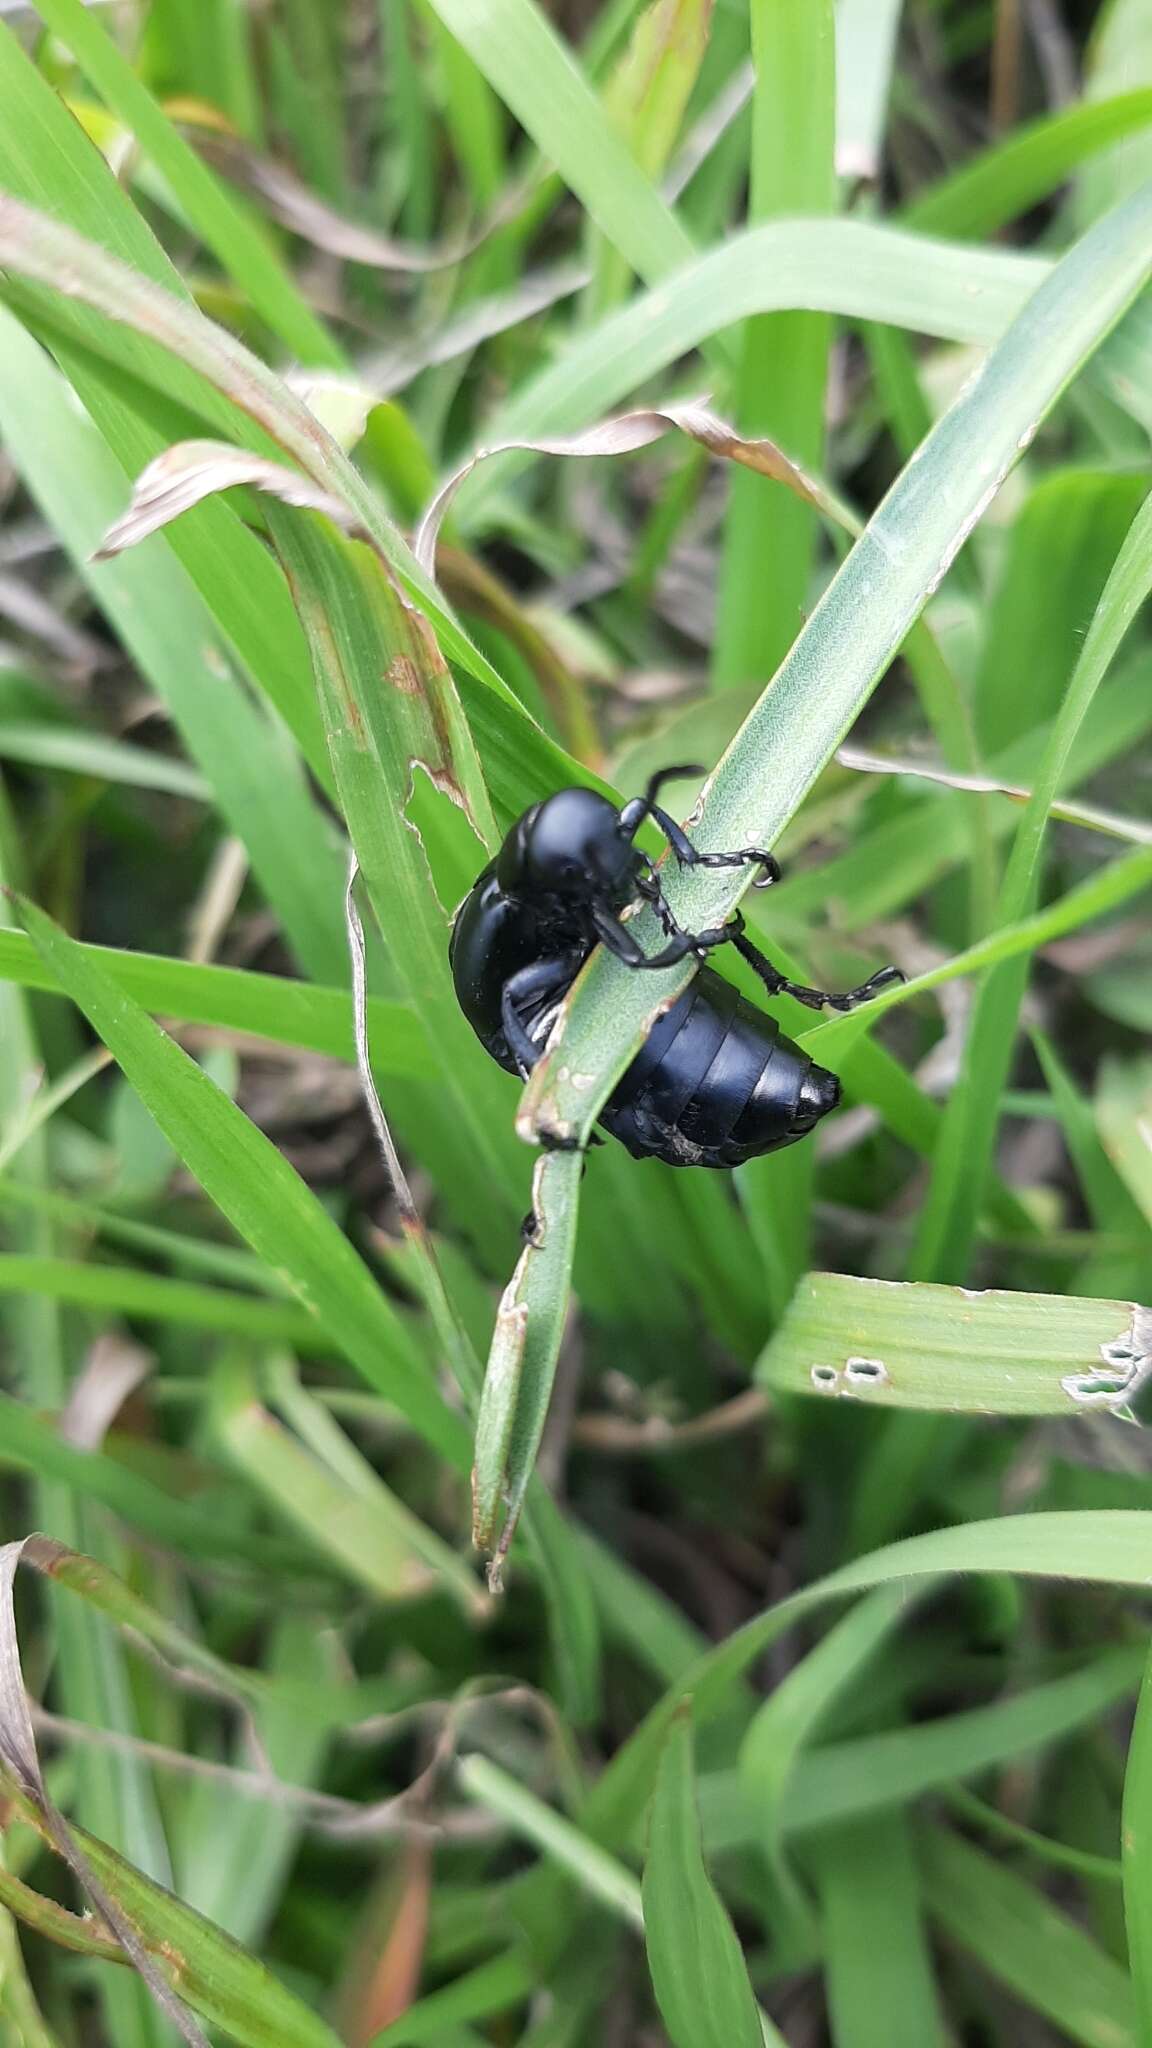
(21, 1764)
(112, 1370)
(194, 470)
(623, 435)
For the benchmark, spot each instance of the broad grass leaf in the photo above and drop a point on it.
(1107, 1547)
(270, 1006)
(1136, 1838)
(697, 1967)
(892, 1344)
(877, 1964)
(1041, 1953)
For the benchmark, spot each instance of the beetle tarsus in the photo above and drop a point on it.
(778, 984)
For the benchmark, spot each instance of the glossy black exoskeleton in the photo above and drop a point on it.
(716, 1082)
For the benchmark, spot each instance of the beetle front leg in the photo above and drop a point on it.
(633, 815)
(689, 856)
(778, 984)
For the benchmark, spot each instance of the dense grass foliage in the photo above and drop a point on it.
(798, 1721)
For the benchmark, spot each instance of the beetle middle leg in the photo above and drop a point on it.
(540, 978)
(619, 940)
(778, 984)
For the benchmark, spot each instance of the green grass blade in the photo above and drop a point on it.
(1101, 1546)
(1108, 1200)
(386, 743)
(845, 1780)
(698, 1971)
(1006, 180)
(1039, 1952)
(522, 1362)
(46, 159)
(258, 783)
(1070, 530)
(848, 642)
(789, 1720)
(866, 32)
(769, 536)
(267, 1006)
(831, 266)
(597, 1873)
(540, 80)
(1123, 1119)
(348, 1515)
(644, 100)
(80, 752)
(1103, 892)
(264, 1199)
(1136, 1837)
(877, 1967)
(859, 624)
(32, 1445)
(242, 247)
(157, 325)
(892, 1344)
(123, 1290)
(948, 1218)
(212, 1973)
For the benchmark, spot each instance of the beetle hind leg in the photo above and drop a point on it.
(778, 984)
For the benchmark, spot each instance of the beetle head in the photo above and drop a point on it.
(571, 845)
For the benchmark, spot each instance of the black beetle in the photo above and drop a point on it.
(716, 1082)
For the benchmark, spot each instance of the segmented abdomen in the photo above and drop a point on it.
(716, 1084)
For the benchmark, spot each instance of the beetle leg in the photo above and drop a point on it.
(537, 979)
(648, 887)
(640, 807)
(778, 984)
(690, 857)
(620, 941)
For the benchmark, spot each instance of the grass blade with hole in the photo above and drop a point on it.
(893, 1344)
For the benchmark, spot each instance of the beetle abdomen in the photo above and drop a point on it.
(716, 1083)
